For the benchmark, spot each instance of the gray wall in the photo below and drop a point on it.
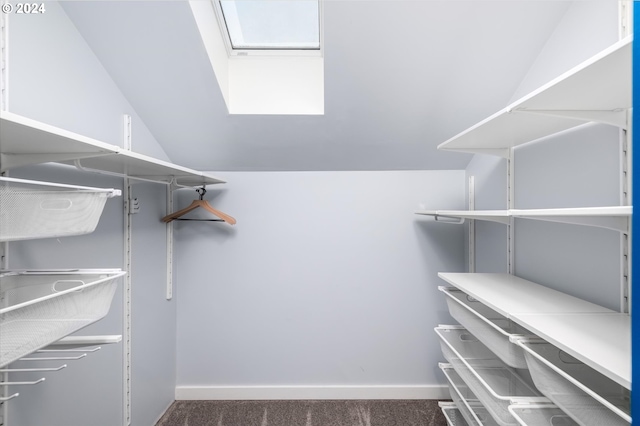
(587, 27)
(574, 169)
(153, 340)
(490, 194)
(55, 78)
(327, 279)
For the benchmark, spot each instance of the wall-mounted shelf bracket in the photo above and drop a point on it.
(55, 358)
(616, 117)
(10, 161)
(32, 370)
(496, 152)
(35, 382)
(9, 397)
(618, 223)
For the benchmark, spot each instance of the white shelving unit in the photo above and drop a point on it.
(598, 90)
(597, 336)
(24, 141)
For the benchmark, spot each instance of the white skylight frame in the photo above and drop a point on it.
(231, 51)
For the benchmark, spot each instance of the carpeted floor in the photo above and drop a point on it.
(304, 413)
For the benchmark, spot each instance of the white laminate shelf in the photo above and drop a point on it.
(597, 336)
(24, 141)
(73, 342)
(611, 217)
(598, 90)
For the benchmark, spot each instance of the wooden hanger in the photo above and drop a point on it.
(200, 203)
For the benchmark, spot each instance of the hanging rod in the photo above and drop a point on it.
(203, 220)
(449, 219)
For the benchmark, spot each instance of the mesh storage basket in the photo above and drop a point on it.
(540, 415)
(491, 328)
(471, 409)
(38, 308)
(456, 341)
(453, 416)
(493, 382)
(589, 397)
(31, 209)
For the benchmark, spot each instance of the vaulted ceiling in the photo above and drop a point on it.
(400, 78)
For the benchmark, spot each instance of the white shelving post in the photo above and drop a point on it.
(472, 224)
(4, 247)
(126, 341)
(170, 189)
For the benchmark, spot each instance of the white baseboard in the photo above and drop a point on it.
(233, 393)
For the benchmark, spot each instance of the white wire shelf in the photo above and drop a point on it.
(597, 90)
(43, 307)
(540, 415)
(591, 399)
(24, 141)
(33, 209)
(73, 342)
(597, 336)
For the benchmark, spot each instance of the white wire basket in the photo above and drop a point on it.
(493, 382)
(491, 328)
(470, 408)
(38, 308)
(453, 416)
(586, 395)
(32, 209)
(540, 415)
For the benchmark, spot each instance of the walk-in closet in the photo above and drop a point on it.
(316, 213)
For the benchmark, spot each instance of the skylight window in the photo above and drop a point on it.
(272, 24)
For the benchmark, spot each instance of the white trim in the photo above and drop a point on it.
(186, 393)
(231, 52)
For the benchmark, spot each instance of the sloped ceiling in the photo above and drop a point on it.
(400, 78)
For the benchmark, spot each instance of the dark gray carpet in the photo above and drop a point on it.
(304, 413)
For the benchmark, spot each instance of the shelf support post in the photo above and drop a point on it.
(169, 233)
(625, 200)
(4, 247)
(511, 205)
(4, 63)
(472, 224)
(126, 341)
(625, 13)
(4, 376)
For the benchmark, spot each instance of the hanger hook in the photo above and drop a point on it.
(201, 191)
